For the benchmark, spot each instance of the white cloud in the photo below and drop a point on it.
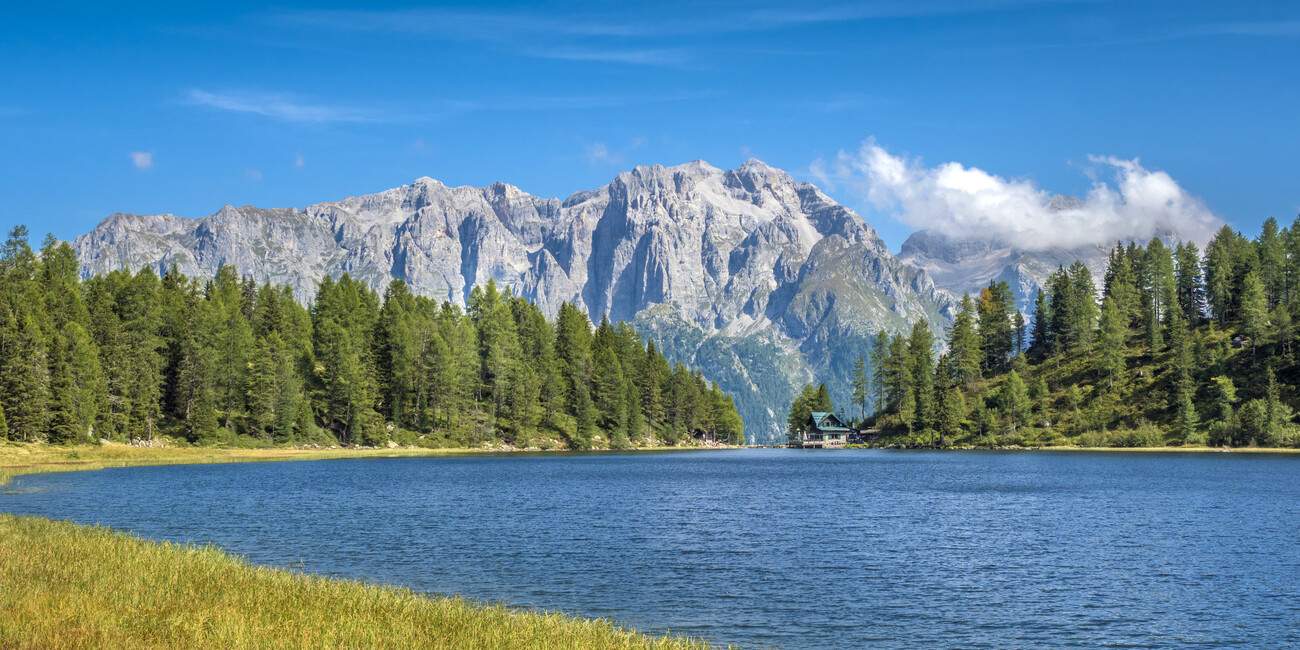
(1127, 201)
(285, 107)
(253, 174)
(599, 153)
(298, 161)
(142, 159)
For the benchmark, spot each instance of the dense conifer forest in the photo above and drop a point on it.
(223, 360)
(1176, 347)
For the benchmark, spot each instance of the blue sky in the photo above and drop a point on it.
(181, 109)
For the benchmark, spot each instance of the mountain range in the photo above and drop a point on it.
(764, 282)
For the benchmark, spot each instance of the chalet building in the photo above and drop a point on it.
(823, 431)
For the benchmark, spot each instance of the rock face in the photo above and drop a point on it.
(968, 265)
(764, 282)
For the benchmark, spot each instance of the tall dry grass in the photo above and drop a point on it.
(69, 586)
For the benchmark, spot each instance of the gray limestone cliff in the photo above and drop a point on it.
(764, 282)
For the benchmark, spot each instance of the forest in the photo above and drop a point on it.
(1176, 347)
(134, 356)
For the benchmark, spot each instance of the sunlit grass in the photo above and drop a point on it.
(17, 459)
(69, 586)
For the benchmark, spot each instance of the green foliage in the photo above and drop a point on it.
(1176, 350)
(810, 400)
(225, 361)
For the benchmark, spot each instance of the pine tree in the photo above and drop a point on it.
(1158, 291)
(1110, 342)
(1121, 285)
(861, 385)
(964, 341)
(1272, 263)
(1191, 295)
(25, 388)
(1083, 304)
(1042, 324)
(995, 328)
(880, 369)
(920, 353)
(1021, 333)
(1254, 310)
(84, 389)
(952, 414)
(62, 416)
(1014, 400)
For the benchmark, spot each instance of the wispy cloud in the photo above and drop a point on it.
(253, 174)
(507, 26)
(289, 108)
(142, 159)
(1129, 202)
(598, 153)
(286, 107)
(299, 161)
(659, 56)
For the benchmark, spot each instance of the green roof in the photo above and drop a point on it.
(818, 416)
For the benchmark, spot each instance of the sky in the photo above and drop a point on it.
(966, 115)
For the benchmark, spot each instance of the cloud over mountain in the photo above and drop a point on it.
(1126, 201)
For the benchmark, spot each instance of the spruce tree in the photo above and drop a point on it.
(997, 337)
(964, 341)
(1042, 324)
(1272, 262)
(1254, 310)
(921, 359)
(26, 382)
(880, 369)
(1191, 295)
(1110, 341)
(861, 386)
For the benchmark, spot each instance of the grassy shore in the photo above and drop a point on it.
(69, 586)
(17, 459)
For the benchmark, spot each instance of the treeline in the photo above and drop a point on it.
(224, 360)
(1175, 347)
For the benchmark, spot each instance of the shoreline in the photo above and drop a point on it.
(21, 459)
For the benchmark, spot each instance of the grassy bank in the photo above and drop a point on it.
(17, 459)
(65, 586)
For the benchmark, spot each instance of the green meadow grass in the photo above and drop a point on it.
(68, 586)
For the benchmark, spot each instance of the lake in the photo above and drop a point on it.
(792, 549)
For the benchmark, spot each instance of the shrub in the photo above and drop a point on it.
(1145, 435)
(1092, 439)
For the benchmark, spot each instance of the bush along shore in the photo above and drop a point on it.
(69, 586)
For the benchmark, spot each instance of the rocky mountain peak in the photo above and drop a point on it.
(763, 281)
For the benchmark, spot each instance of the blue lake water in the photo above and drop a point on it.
(793, 549)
